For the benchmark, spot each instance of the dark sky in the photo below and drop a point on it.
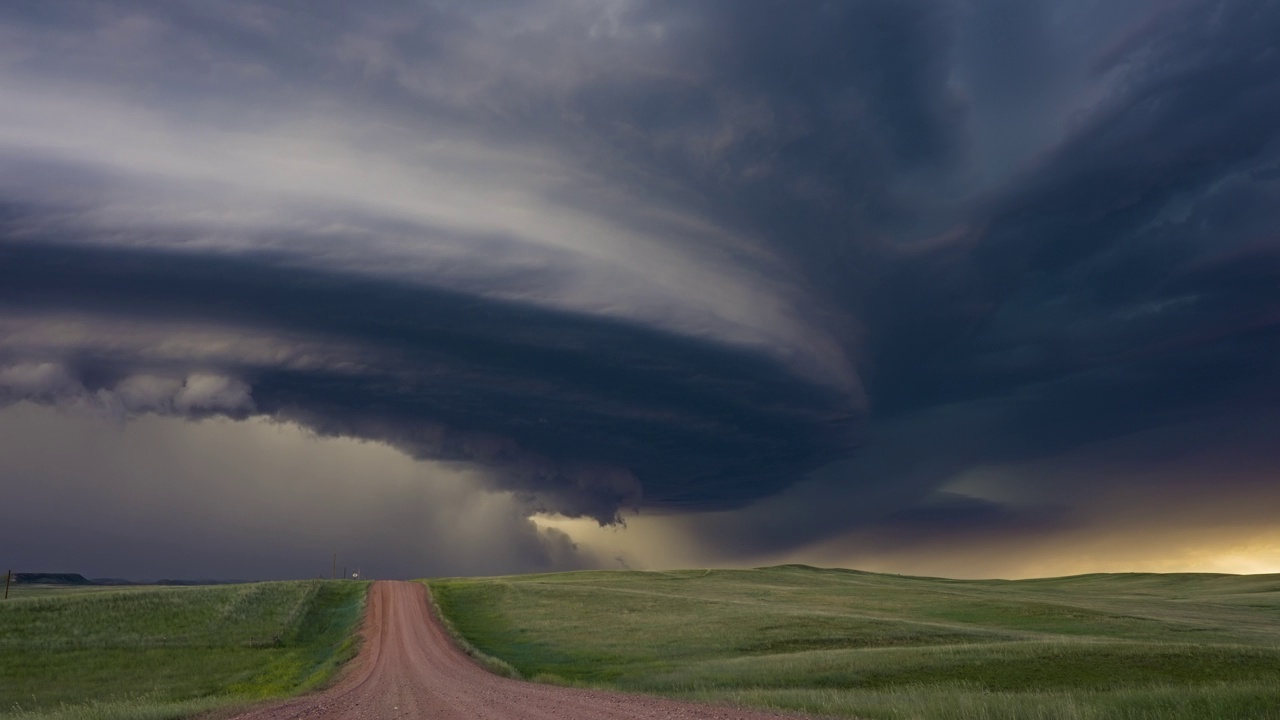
(978, 287)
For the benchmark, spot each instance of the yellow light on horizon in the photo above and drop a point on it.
(659, 543)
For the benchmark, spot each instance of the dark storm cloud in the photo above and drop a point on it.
(1078, 264)
(1125, 281)
(568, 409)
(946, 517)
(647, 254)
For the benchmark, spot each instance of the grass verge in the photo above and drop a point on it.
(489, 662)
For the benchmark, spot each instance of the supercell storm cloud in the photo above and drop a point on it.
(780, 275)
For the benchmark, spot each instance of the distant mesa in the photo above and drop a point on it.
(78, 579)
(51, 579)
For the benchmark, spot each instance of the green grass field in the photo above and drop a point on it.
(1132, 646)
(40, 590)
(169, 652)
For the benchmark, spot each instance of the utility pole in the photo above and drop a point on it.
(333, 572)
(7, 577)
(344, 572)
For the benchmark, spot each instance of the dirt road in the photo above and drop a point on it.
(408, 668)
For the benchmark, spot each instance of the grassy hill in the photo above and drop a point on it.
(840, 642)
(168, 652)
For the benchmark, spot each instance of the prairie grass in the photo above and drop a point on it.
(171, 652)
(1131, 646)
(24, 590)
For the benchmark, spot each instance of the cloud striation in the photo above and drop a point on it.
(783, 271)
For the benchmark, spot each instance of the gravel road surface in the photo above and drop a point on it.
(408, 668)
